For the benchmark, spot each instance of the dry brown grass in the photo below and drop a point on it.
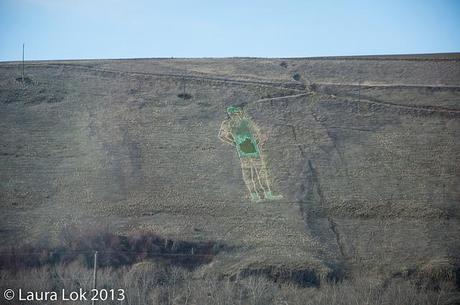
(151, 283)
(107, 142)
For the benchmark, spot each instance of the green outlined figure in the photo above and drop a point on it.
(239, 131)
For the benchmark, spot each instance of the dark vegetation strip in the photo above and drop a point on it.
(113, 251)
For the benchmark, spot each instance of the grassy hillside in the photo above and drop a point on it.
(365, 152)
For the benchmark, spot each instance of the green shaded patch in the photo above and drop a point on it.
(247, 147)
(244, 139)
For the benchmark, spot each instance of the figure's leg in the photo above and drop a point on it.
(260, 176)
(248, 177)
(254, 179)
(263, 181)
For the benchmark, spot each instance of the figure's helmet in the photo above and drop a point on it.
(234, 109)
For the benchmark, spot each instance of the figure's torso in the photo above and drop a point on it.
(245, 141)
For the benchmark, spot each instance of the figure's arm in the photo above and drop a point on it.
(225, 135)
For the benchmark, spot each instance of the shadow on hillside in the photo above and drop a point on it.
(113, 251)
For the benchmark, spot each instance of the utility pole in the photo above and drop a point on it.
(94, 275)
(359, 94)
(359, 90)
(23, 63)
(183, 81)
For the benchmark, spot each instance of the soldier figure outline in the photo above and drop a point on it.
(239, 131)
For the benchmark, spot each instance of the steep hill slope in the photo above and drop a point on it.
(364, 151)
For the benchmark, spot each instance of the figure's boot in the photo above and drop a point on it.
(269, 196)
(255, 197)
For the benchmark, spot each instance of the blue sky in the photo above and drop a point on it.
(77, 29)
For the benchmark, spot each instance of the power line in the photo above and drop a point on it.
(23, 46)
(104, 252)
(130, 252)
